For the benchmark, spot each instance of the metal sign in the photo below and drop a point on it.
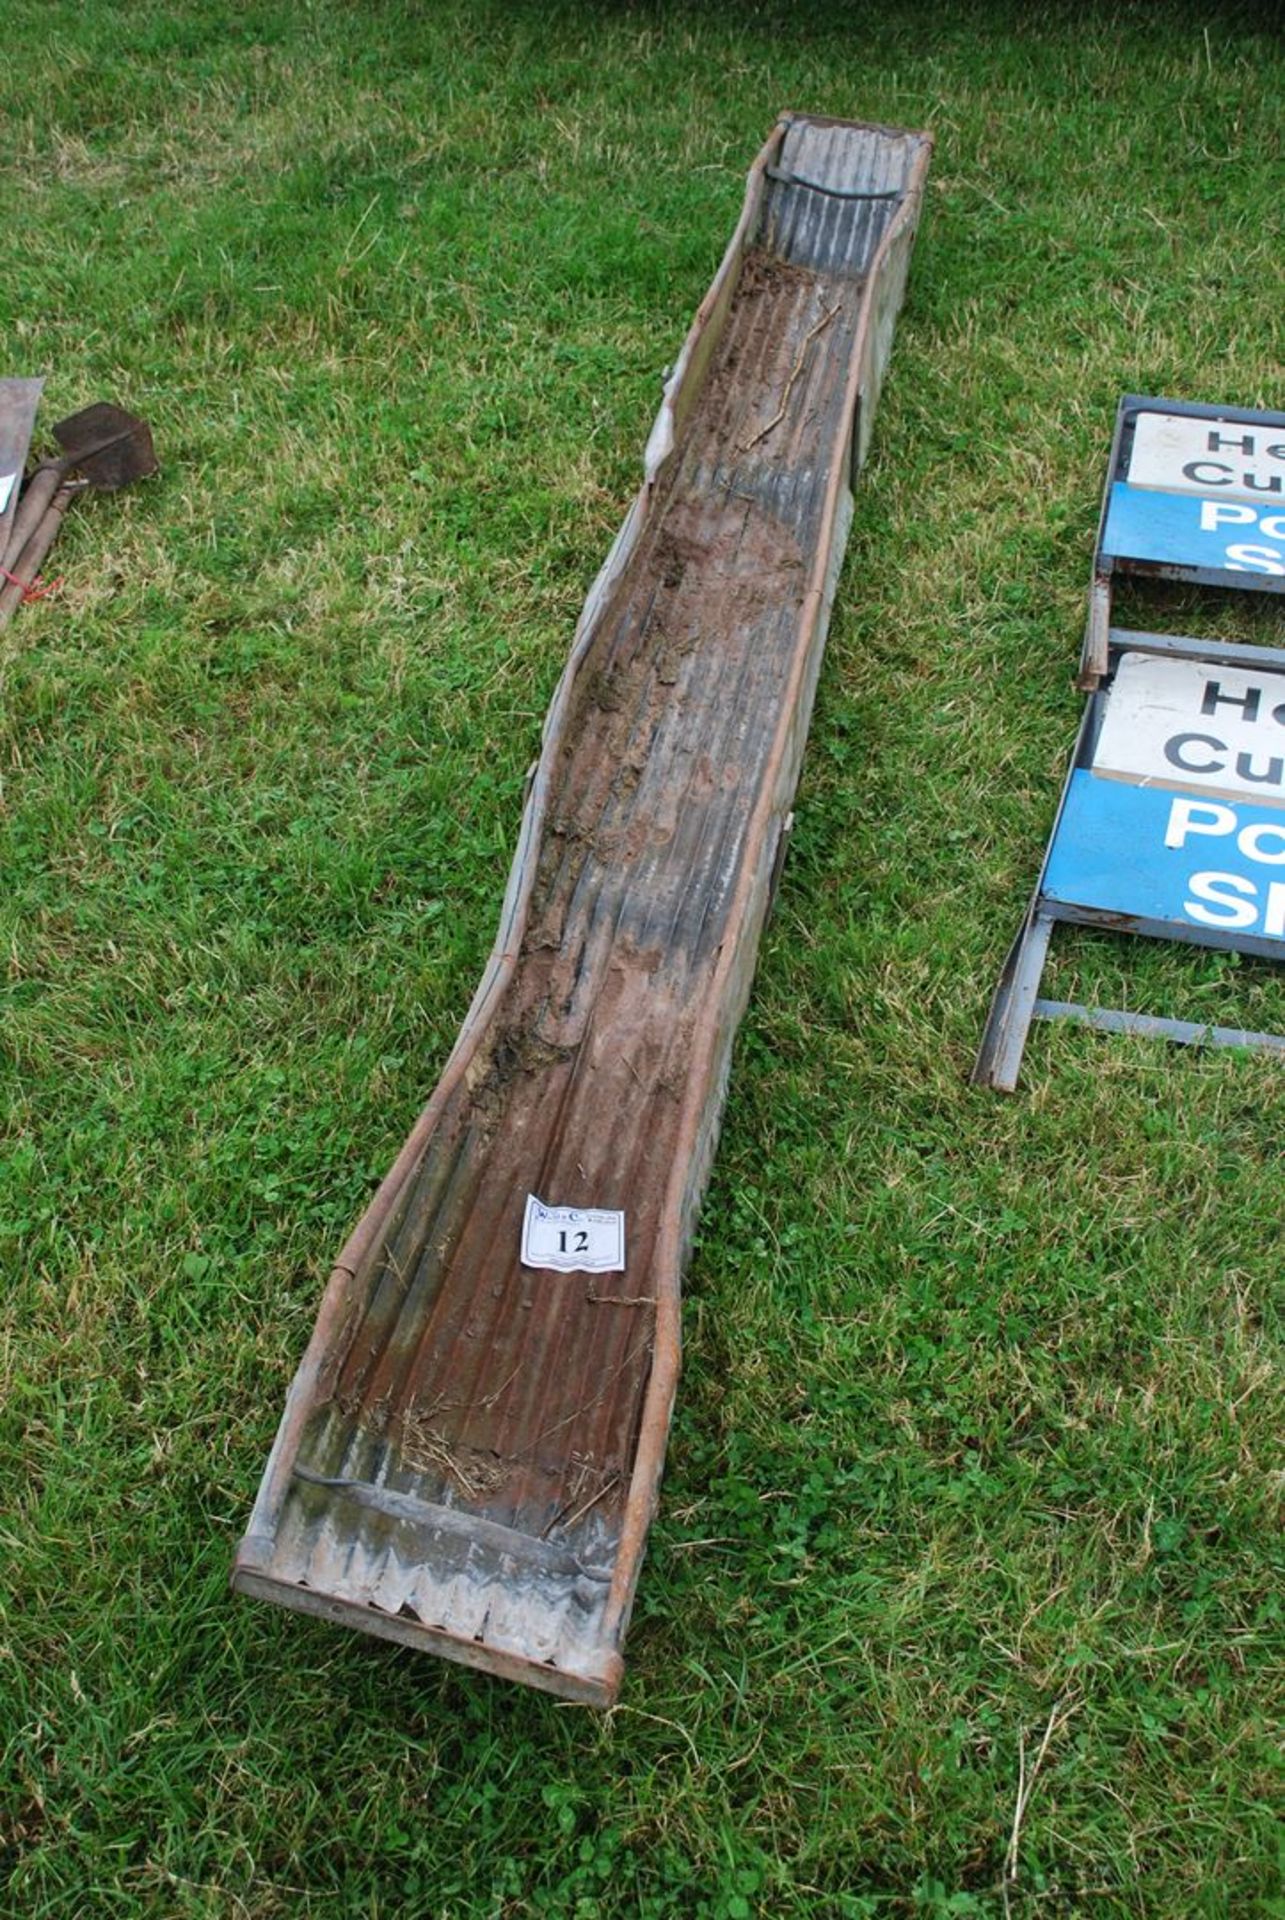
(1172, 824)
(1163, 827)
(1197, 493)
(1172, 819)
(1194, 493)
(1147, 833)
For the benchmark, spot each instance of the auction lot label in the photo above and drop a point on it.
(572, 1239)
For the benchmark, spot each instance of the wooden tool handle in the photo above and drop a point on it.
(32, 557)
(34, 504)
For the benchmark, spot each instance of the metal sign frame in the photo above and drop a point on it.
(1017, 998)
(1093, 659)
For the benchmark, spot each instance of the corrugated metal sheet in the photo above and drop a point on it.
(471, 1451)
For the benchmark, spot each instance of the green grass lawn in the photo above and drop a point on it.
(972, 1467)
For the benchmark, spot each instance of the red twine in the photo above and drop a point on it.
(36, 589)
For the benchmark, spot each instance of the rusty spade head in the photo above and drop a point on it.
(108, 445)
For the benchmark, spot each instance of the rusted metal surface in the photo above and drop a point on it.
(109, 446)
(471, 1450)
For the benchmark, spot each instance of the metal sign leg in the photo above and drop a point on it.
(999, 1058)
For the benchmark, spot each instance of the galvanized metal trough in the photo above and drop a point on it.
(471, 1449)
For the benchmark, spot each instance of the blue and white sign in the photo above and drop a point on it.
(1183, 530)
(1202, 491)
(1184, 860)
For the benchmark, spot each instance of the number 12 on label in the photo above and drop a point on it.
(572, 1239)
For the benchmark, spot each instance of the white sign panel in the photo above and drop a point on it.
(572, 1239)
(1218, 459)
(1197, 726)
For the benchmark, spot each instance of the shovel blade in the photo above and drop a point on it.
(109, 446)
